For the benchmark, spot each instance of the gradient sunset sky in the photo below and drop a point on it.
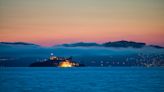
(51, 22)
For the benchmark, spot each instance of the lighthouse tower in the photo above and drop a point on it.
(52, 57)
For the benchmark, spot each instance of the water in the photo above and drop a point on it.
(86, 79)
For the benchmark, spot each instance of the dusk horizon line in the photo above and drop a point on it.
(35, 43)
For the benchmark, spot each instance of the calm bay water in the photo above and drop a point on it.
(86, 79)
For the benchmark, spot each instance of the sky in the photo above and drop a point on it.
(52, 22)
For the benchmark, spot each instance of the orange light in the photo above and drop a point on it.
(65, 64)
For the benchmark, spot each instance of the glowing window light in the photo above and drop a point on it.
(65, 64)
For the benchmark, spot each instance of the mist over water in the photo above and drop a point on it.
(32, 51)
(22, 55)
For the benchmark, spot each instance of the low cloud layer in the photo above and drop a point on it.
(32, 51)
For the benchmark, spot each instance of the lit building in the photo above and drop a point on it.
(54, 61)
(65, 64)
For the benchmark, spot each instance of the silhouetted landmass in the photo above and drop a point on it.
(116, 44)
(54, 61)
(124, 44)
(48, 64)
(82, 44)
(156, 46)
(17, 43)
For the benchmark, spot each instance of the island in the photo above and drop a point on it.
(55, 61)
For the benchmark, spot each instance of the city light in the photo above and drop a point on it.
(65, 64)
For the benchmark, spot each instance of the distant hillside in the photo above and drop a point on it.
(17, 43)
(124, 44)
(8, 44)
(156, 46)
(116, 44)
(80, 44)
